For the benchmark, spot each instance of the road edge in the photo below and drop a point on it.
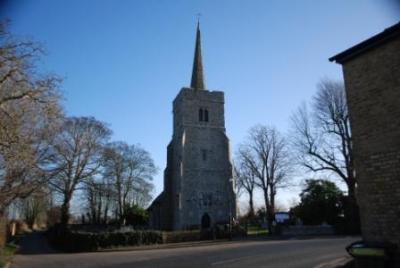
(340, 262)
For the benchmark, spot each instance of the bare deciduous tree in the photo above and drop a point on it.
(78, 151)
(130, 169)
(34, 208)
(29, 116)
(265, 154)
(142, 194)
(99, 197)
(245, 180)
(323, 138)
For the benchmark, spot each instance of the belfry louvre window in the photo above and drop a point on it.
(203, 115)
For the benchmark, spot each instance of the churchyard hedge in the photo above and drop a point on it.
(78, 241)
(81, 238)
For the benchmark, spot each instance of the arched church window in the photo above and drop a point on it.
(200, 115)
(206, 115)
(205, 221)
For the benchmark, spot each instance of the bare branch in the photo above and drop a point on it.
(264, 162)
(322, 139)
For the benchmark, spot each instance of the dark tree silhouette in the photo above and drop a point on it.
(246, 181)
(78, 151)
(265, 154)
(321, 202)
(29, 119)
(323, 139)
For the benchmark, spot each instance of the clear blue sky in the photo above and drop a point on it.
(124, 61)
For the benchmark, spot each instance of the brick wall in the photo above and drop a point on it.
(373, 91)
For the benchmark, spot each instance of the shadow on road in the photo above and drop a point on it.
(35, 243)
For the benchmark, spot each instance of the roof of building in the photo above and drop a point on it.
(156, 201)
(376, 40)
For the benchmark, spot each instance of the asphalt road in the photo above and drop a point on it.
(281, 253)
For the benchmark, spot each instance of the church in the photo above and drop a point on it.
(198, 179)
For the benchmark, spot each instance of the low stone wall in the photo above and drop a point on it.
(302, 230)
(181, 236)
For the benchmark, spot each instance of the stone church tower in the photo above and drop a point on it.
(198, 180)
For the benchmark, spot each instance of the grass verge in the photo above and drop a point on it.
(6, 254)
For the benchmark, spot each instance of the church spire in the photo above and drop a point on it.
(197, 73)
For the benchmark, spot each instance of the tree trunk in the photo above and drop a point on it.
(120, 211)
(271, 211)
(92, 210)
(123, 218)
(351, 211)
(351, 187)
(270, 219)
(106, 210)
(30, 221)
(3, 230)
(98, 220)
(268, 208)
(251, 205)
(65, 210)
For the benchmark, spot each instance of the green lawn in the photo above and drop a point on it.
(256, 230)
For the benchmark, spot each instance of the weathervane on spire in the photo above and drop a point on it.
(198, 17)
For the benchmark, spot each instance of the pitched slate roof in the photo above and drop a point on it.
(376, 40)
